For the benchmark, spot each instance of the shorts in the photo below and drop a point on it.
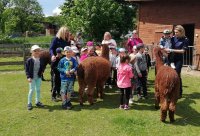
(66, 87)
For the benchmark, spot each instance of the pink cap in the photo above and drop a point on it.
(89, 43)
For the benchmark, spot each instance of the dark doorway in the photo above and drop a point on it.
(189, 33)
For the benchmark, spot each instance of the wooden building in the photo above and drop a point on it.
(156, 15)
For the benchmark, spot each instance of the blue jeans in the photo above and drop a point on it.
(66, 87)
(34, 85)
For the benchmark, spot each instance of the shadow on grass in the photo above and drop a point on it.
(188, 115)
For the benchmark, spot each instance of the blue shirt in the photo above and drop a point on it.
(179, 43)
(65, 65)
(56, 43)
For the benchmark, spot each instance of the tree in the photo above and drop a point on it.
(94, 17)
(21, 15)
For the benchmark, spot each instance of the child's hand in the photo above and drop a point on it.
(68, 73)
(29, 80)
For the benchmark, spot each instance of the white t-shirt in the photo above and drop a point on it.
(111, 43)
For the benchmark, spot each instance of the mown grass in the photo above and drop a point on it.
(101, 119)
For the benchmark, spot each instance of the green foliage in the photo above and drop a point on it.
(57, 20)
(98, 16)
(20, 16)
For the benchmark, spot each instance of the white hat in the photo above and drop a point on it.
(67, 48)
(75, 49)
(35, 47)
(72, 43)
(122, 50)
(83, 49)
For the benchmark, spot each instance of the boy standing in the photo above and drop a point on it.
(55, 75)
(141, 68)
(34, 68)
(67, 66)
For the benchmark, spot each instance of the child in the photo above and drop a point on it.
(134, 80)
(148, 58)
(67, 66)
(141, 68)
(84, 52)
(98, 49)
(34, 68)
(75, 55)
(165, 42)
(122, 52)
(113, 57)
(55, 75)
(124, 75)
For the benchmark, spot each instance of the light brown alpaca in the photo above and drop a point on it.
(167, 84)
(93, 72)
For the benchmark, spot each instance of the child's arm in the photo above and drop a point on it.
(60, 67)
(75, 66)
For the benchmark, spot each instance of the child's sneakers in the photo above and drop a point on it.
(172, 65)
(29, 106)
(121, 107)
(131, 100)
(126, 107)
(39, 104)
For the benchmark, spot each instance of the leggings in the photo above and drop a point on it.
(126, 92)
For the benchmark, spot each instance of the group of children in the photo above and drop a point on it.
(128, 72)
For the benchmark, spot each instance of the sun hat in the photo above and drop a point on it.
(84, 49)
(59, 50)
(35, 47)
(67, 48)
(75, 49)
(167, 31)
(89, 43)
(122, 49)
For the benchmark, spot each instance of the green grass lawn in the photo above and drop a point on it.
(101, 119)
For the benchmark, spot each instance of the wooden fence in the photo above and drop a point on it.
(18, 50)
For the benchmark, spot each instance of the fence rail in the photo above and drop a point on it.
(18, 50)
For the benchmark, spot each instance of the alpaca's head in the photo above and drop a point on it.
(159, 52)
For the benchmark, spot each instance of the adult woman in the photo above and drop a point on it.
(179, 46)
(133, 41)
(107, 39)
(62, 39)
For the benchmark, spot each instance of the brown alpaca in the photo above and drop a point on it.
(167, 84)
(46, 58)
(93, 72)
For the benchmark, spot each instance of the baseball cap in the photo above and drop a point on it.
(167, 31)
(67, 48)
(75, 49)
(59, 50)
(35, 47)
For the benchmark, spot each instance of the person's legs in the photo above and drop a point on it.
(53, 95)
(178, 65)
(31, 90)
(122, 96)
(127, 92)
(144, 83)
(37, 87)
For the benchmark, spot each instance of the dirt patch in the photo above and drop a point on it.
(190, 72)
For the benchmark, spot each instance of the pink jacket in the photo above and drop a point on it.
(124, 75)
(83, 56)
(133, 42)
